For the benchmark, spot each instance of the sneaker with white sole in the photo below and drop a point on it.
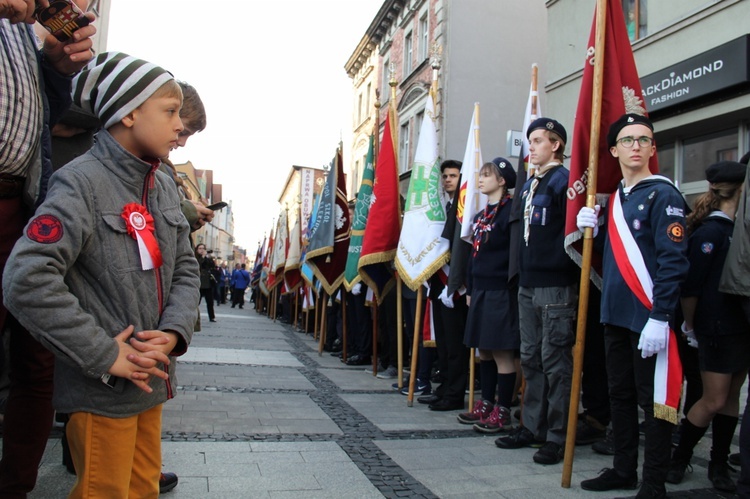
(390, 373)
(420, 388)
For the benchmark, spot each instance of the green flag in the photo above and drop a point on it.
(361, 210)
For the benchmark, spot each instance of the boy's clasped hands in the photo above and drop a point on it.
(141, 354)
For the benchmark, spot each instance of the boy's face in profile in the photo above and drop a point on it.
(156, 126)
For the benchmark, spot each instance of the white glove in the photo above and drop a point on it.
(447, 300)
(689, 335)
(357, 289)
(653, 338)
(588, 217)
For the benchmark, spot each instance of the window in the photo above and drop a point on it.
(424, 38)
(685, 160)
(359, 110)
(701, 151)
(403, 150)
(367, 99)
(636, 16)
(385, 93)
(408, 53)
(355, 178)
(418, 126)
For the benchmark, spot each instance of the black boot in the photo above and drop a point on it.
(689, 438)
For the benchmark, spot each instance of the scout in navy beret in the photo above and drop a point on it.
(550, 125)
(622, 122)
(731, 172)
(506, 171)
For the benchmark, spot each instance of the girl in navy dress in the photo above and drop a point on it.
(715, 323)
(492, 323)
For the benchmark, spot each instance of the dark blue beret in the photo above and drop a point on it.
(505, 169)
(550, 125)
(732, 172)
(622, 122)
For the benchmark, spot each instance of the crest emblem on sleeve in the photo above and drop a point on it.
(676, 232)
(707, 248)
(45, 229)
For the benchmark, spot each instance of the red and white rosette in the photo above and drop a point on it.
(140, 226)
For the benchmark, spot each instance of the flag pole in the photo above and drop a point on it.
(399, 305)
(534, 105)
(477, 166)
(414, 350)
(588, 241)
(324, 313)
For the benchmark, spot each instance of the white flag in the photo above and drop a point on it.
(421, 249)
(470, 200)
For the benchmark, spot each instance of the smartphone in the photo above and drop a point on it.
(61, 18)
(217, 206)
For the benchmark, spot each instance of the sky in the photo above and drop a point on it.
(271, 76)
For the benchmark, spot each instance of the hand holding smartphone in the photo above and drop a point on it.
(61, 18)
(217, 206)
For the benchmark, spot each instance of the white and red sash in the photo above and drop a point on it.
(632, 267)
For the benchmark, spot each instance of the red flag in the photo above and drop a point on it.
(267, 276)
(621, 93)
(329, 263)
(383, 227)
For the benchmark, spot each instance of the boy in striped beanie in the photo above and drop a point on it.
(105, 278)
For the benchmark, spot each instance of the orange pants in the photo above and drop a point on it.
(116, 457)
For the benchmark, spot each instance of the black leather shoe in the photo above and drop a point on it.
(446, 405)
(610, 479)
(428, 399)
(357, 360)
(167, 481)
(518, 438)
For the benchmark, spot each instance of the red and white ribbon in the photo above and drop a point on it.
(632, 267)
(140, 226)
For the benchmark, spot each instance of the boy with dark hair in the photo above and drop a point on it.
(105, 278)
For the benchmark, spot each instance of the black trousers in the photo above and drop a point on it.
(208, 294)
(453, 355)
(359, 325)
(238, 297)
(631, 384)
(594, 388)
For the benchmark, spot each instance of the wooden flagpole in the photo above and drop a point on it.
(324, 313)
(399, 332)
(414, 351)
(317, 314)
(588, 240)
(344, 329)
(477, 166)
(374, 306)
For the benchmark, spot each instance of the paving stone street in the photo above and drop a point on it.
(259, 414)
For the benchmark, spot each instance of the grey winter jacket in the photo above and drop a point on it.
(75, 281)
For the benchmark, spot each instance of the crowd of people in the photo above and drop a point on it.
(102, 284)
(663, 296)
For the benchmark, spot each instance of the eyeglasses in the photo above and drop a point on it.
(643, 141)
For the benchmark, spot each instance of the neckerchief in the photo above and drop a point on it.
(484, 225)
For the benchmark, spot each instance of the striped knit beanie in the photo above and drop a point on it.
(113, 84)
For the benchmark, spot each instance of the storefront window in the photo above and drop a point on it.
(665, 154)
(636, 16)
(699, 152)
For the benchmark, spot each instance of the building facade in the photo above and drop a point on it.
(484, 49)
(693, 61)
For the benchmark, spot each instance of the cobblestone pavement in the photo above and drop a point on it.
(259, 413)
